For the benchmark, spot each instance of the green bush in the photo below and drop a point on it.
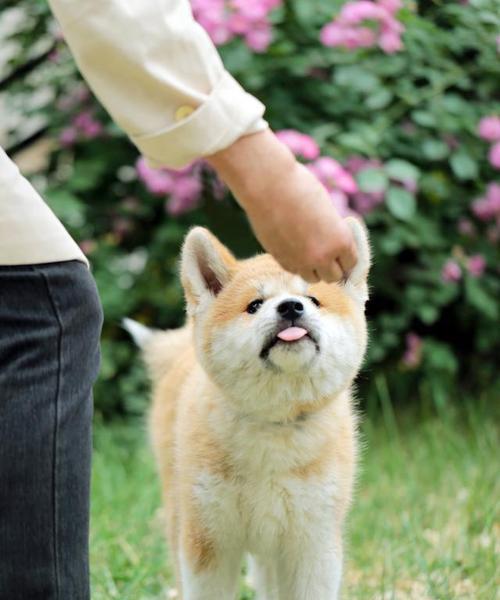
(414, 113)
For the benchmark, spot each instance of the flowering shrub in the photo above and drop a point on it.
(390, 103)
(225, 19)
(351, 29)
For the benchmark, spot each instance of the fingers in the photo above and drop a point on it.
(331, 273)
(310, 275)
(348, 258)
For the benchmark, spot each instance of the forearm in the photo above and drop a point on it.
(254, 167)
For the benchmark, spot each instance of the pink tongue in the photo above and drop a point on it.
(292, 334)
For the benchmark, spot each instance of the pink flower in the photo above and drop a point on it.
(78, 95)
(258, 39)
(489, 128)
(355, 164)
(488, 207)
(185, 195)
(158, 181)
(225, 19)
(361, 10)
(451, 271)
(347, 30)
(299, 143)
(67, 137)
(364, 202)
(87, 125)
(413, 353)
(334, 35)
(333, 175)
(390, 42)
(476, 265)
(391, 5)
(494, 155)
(466, 227)
(184, 186)
(341, 203)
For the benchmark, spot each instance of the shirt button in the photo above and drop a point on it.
(183, 112)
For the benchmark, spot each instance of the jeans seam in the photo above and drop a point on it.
(55, 544)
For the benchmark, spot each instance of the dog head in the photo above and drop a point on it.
(266, 337)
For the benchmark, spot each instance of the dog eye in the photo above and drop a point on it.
(254, 306)
(314, 300)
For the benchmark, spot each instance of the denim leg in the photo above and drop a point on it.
(50, 322)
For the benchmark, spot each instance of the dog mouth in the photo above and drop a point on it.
(288, 336)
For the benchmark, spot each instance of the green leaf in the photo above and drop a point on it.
(356, 78)
(401, 203)
(372, 180)
(427, 313)
(435, 149)
(463, 165)
(424, 118)
(379, 99)
(480, 299)
(401, 170)
(66, 206)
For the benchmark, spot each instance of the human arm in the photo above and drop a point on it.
(160, 77)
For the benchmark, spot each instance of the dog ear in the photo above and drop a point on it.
(358, 278)
(206, 266)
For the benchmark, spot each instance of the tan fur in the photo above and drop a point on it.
(189, 411)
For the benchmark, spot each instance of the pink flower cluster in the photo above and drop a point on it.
(489, 130)
(452, 272)
(353, 28)
(476, 264)
(412, 356)
(299, 143)
(337, 180)
(487, 208)
(225, 19)
(78, 95)
(183, 186)
(364, 202)
(84, 125)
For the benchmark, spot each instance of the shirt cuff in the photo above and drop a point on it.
(228, 114)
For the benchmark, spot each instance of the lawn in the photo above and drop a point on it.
(424, 525)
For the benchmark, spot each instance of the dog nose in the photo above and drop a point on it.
(290, 309)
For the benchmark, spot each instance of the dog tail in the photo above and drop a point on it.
(159, 348)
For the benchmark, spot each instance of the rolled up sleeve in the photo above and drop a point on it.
(160, 77)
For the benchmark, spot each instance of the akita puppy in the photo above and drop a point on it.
(253, 425)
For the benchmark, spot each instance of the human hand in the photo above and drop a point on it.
(290, 211)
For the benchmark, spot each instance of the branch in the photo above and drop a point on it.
(22, 144)
(26, 67)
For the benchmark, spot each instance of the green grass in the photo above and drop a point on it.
(424, 524)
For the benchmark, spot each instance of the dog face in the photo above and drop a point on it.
(269, 339)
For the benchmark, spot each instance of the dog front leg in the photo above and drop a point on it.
(216, 580)
(311, 574)
(263, 577)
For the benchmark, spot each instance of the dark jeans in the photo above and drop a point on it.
(50, 323)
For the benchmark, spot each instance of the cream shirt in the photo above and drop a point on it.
(160, 77)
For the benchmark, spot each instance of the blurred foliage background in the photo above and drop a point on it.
(406, 122)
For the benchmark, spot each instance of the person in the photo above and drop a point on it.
(158, 74)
